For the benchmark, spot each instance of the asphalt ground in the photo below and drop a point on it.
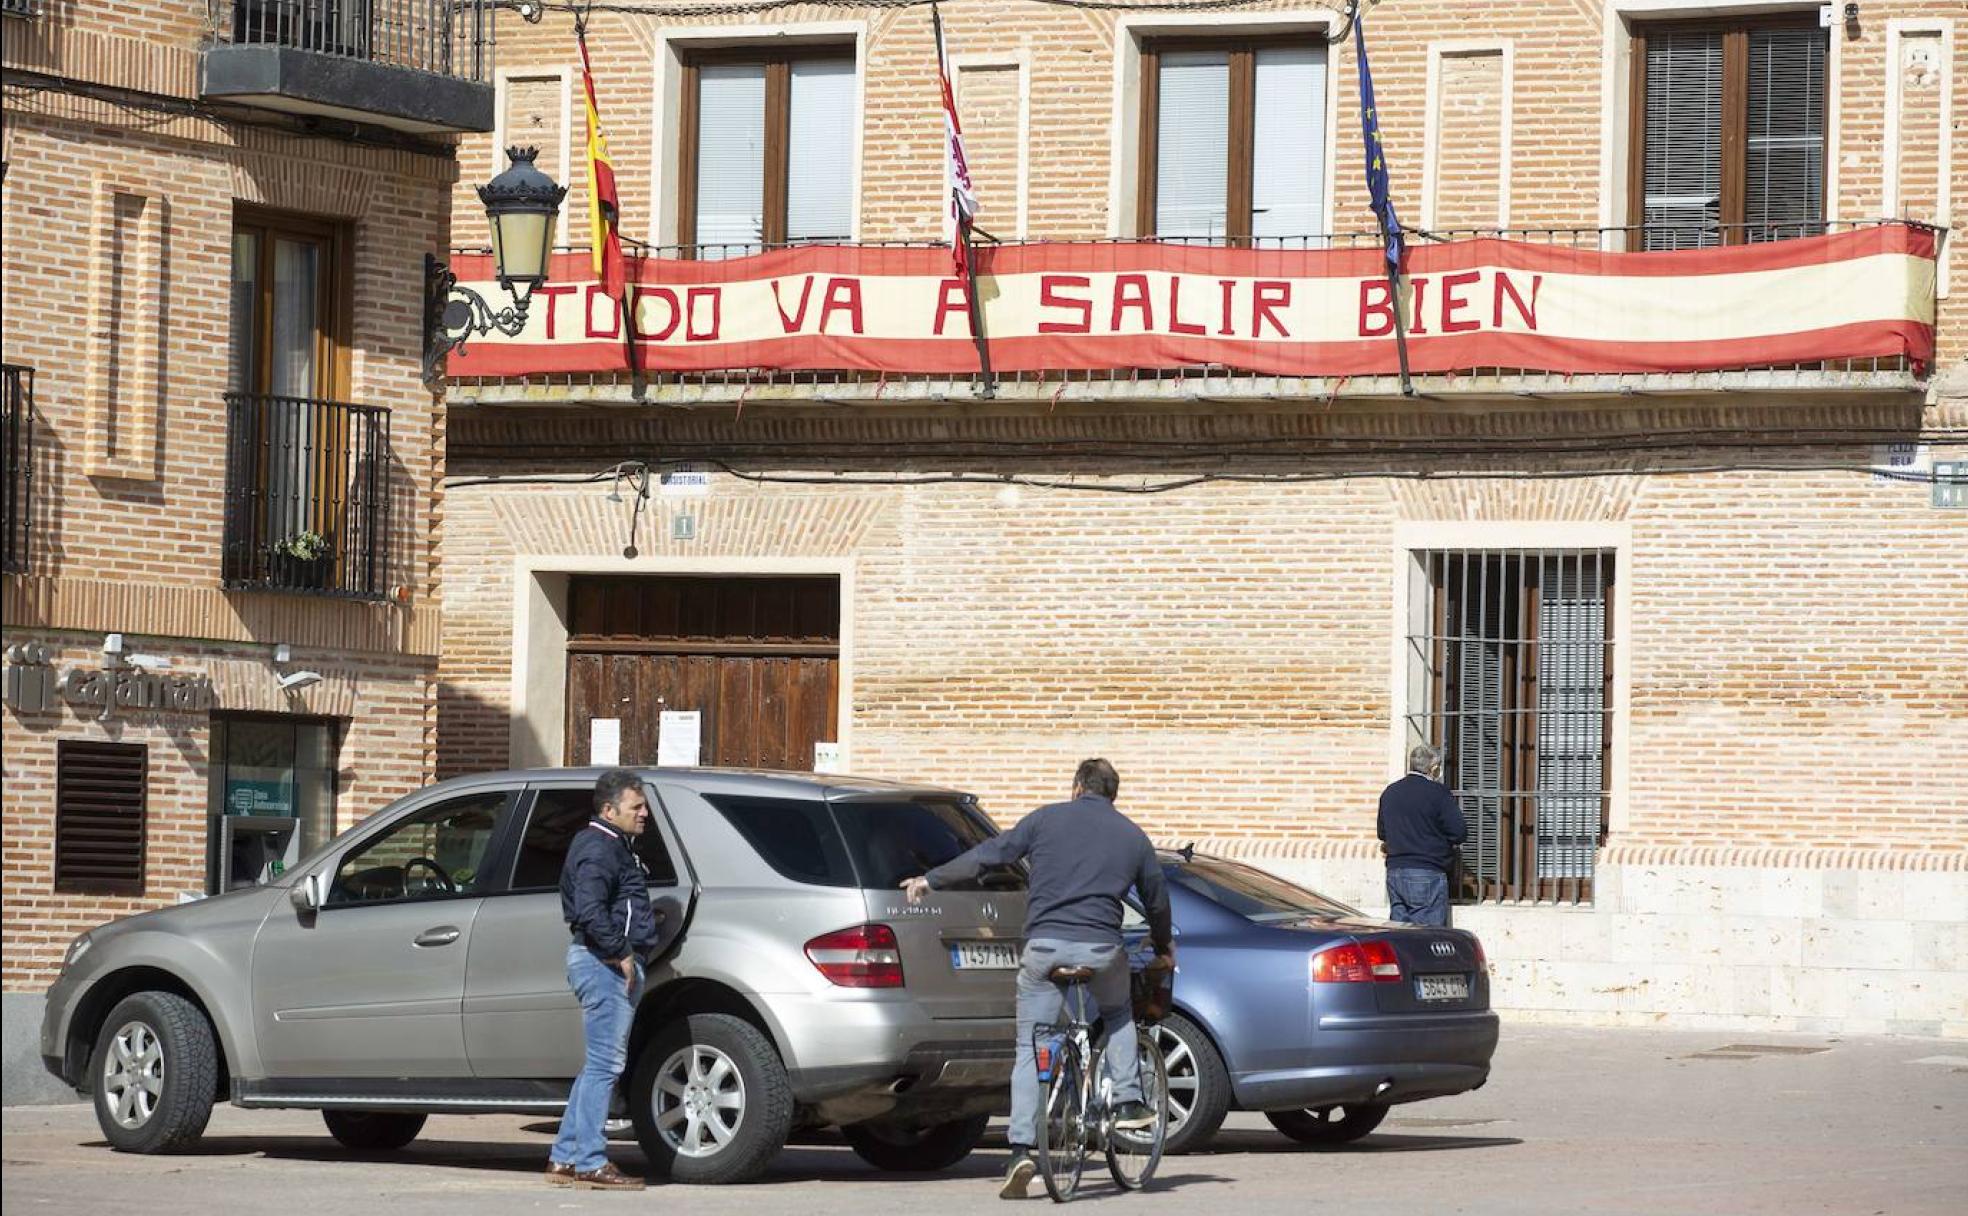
(1572, 1121)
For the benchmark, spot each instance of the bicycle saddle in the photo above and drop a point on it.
(1063, 974)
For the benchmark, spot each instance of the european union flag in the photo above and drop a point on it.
(1382, 201)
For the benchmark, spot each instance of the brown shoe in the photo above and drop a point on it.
(607, 1178)
(560, 1173)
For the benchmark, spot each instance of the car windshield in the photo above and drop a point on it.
(1253, 894)
(894, 839)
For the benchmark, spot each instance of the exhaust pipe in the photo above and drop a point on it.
(902, 1085)
(1381, 1090)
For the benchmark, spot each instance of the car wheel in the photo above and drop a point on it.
(376, 1131)
(916, 1150)
(155, 1073)
(1328, 1124)
(712, 1103)
(1198, 1084)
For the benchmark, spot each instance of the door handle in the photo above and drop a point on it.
(443, 935)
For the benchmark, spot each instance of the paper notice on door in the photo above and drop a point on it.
(827, 758)
(604, 741)
(679, 738)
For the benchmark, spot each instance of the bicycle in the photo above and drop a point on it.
(1076, 1117)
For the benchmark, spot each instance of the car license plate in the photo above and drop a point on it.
(1442, 987)
(984, 956)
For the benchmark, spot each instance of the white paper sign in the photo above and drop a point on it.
(604, 741)
(827, 758)
(679, 738)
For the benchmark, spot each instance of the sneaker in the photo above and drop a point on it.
(1018, 1173)
(1133, 1116)
(607, 1178)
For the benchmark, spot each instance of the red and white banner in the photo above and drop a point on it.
(1051, 307)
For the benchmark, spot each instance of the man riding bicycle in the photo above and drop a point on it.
(1084, 856)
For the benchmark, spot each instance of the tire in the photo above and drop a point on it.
(154, 1074)
(1328, 1124)
(1199, 1084)
(735, 1076)
(1133, 1155)
(1062, 1146)
(916, 1150)
(373, 1131)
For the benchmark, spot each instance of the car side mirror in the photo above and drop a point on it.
(309, 893)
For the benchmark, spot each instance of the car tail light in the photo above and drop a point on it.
(1356, 963)
(1482, 960)
(866, 956)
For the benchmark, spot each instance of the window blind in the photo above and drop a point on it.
(99, 816)
(1783, 181)
(730, 158)
(1288, 142)
(1682, 174)
(1192, 149)
(820, 151)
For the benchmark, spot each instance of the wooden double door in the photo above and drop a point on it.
(756, 659)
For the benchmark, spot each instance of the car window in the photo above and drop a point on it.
(795, 836)
(556, 816)
(1251, 893)
(438, 852)
(892, 839)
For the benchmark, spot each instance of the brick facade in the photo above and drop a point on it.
(120, 195)
(1780, 793)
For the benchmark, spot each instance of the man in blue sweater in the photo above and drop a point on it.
(604, 898)
(1420, 828)
(1084, 856)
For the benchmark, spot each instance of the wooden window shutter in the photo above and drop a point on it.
(1784, 149)
(1681, 187)
(100, 810)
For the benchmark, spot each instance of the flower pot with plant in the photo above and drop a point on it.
(303, 560)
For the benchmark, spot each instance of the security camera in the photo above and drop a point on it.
(294, 681)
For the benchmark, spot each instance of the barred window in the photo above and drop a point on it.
(1510, 656)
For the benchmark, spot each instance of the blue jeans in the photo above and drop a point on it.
(607, 1008)
(1040, 1000)
(1419, 897)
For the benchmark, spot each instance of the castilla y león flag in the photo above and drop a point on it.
(604, 212)
(963, 197)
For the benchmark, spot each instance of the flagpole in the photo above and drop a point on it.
(963, 206)
(987, 386)
(1399, 304)
(1380, 193)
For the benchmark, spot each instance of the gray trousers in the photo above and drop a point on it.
(1041, 1001)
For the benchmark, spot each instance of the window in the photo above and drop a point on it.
(1253, 894)
(1233, 140)
(100, 809)
(767, 139)
(307, 477)
(434, 854)
(1728, 131)
(1510, 658)
(272, 794)
(556, 816)
(795, 836)
(17, 434)
(890, 841)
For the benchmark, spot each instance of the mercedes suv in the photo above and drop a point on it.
(416, 964)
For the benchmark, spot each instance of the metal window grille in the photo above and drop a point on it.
(17, 434)
(100, 809)
(307, 496)
(448, 37)
(1510, 654)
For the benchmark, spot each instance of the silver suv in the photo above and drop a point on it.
(416, 965)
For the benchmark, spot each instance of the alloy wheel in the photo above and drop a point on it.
(1182, 1079)
(699, 1100)
(133, 1074)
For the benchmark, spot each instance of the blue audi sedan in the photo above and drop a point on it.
(1298, 1006)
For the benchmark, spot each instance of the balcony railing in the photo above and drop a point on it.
(307, 496)
(447, 37)
(17, 433)
(1210, 381)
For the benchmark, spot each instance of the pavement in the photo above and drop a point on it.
(1572, 1121)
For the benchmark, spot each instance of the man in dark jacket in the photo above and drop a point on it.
(604, 897)
(1420, 827)
(1084, 857)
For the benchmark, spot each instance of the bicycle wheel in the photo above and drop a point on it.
(1062, 1128)
(1133, 1155)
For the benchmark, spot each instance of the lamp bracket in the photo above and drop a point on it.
(453, 315)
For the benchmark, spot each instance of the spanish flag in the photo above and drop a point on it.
(604, 212)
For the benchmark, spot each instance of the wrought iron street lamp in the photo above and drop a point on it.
(521, 206)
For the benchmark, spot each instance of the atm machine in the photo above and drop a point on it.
(256, 848)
